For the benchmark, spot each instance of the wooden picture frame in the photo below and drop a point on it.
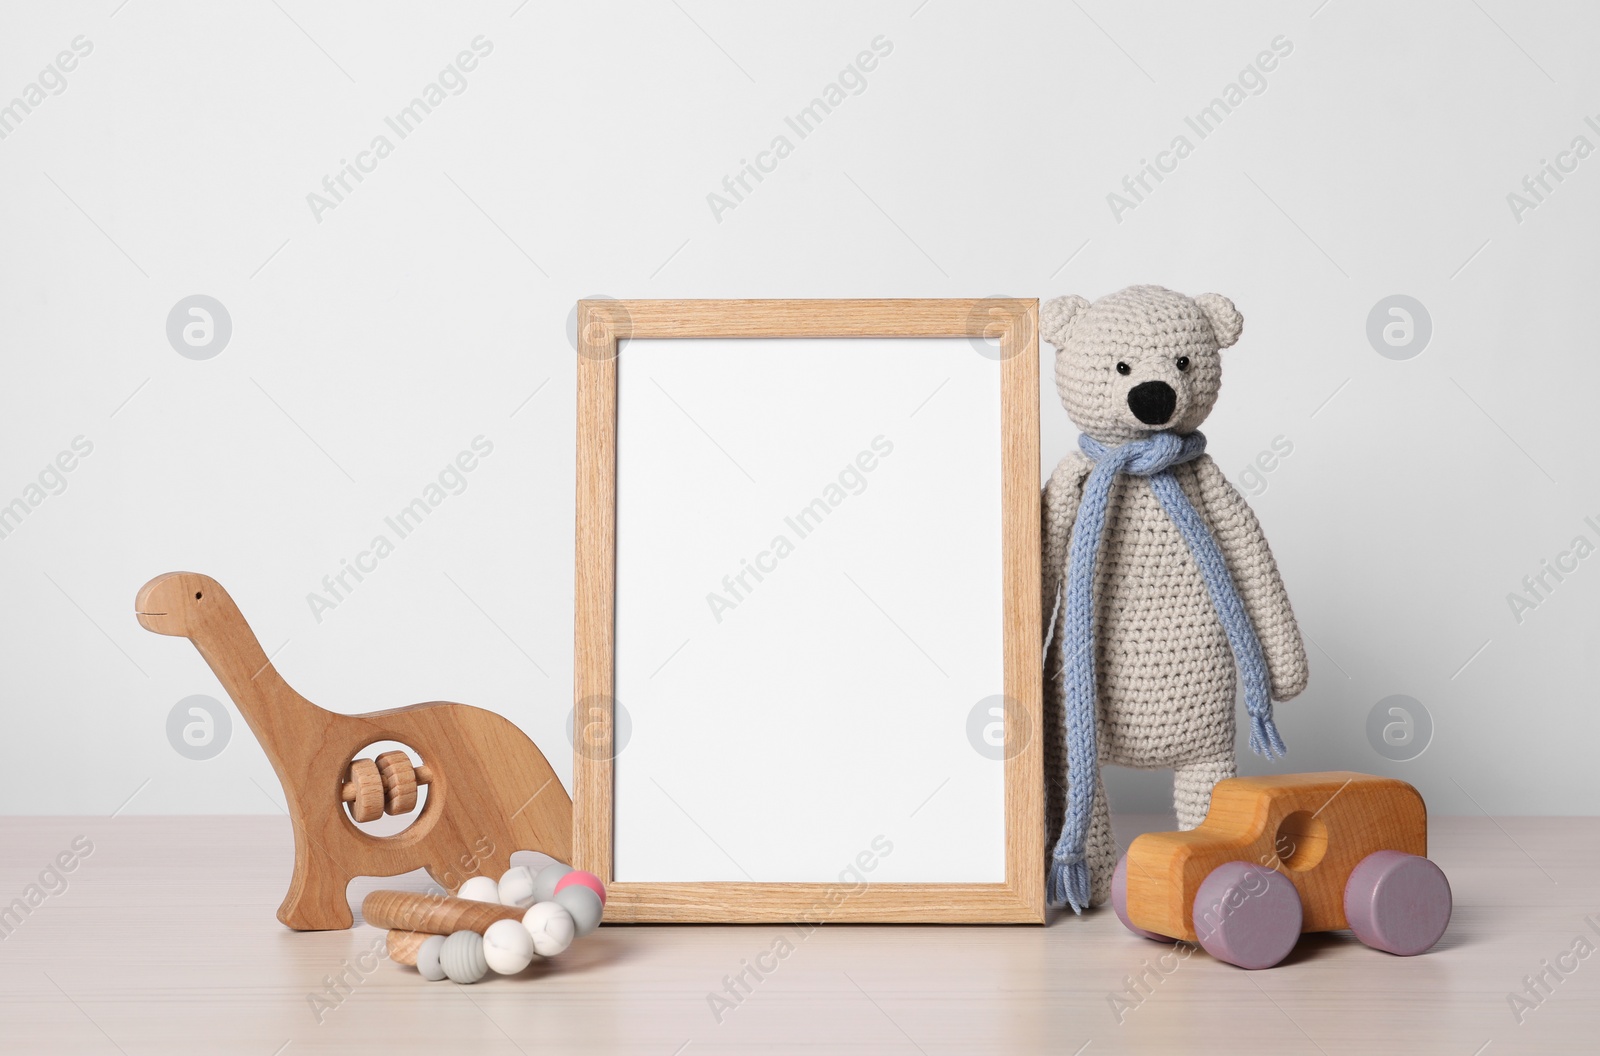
(601, 325)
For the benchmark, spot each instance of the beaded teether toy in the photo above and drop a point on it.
(490, 926)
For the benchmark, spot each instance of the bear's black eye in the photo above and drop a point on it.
(1124, 369)
(1183, 362)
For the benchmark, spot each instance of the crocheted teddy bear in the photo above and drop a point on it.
(1158, 581)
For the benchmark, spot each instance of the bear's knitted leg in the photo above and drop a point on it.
(1100, 847)
(1192, 784)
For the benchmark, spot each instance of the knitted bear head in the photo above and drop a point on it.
(1139, 361)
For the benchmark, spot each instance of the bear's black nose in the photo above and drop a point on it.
(1152, 402)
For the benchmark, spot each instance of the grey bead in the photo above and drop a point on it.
(462, 958)
(583, 904)
(428, 958)
(544, 884)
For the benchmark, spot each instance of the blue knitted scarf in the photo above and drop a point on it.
(1152, 457)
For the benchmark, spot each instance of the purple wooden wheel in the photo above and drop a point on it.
(1119, 902)
(1247, 915)
(1397, 902)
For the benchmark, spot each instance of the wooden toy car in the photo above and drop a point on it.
(1286, 854)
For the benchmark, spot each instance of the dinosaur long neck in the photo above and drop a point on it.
(270, 705)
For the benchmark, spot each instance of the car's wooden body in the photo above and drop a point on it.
(1312, 828)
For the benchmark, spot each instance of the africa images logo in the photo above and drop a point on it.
(452, 80)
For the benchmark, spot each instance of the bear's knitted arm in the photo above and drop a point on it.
(1058, 510)
(1255, 576)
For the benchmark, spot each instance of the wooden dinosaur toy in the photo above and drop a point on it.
(490, 789)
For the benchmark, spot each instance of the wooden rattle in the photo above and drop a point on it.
(463, 939)
(1282, 855)
(490, 790)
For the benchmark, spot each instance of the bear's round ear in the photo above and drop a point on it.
(1226, 322)
(1056, 315)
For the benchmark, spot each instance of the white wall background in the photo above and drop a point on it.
(428, 308)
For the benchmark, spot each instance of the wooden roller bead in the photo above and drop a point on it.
(403, 945)
(399, 782)
(432, 914)
(364, 790)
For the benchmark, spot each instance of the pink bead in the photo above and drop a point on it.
(589, 880)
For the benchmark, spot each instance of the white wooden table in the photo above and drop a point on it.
(164, 941)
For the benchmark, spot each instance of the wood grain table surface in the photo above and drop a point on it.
(162, 939)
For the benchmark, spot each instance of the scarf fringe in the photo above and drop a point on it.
(1069, 884)
(1264, 739)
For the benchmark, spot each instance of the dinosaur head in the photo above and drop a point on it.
(175, 603)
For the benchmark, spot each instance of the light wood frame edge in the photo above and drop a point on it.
(600, 325)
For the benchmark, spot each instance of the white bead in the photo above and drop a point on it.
(551, 927)
(480, 889)
(583, 904)
(507, 947)
(544, 885)
(461, 956)
(516, 887)
(428, 958)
